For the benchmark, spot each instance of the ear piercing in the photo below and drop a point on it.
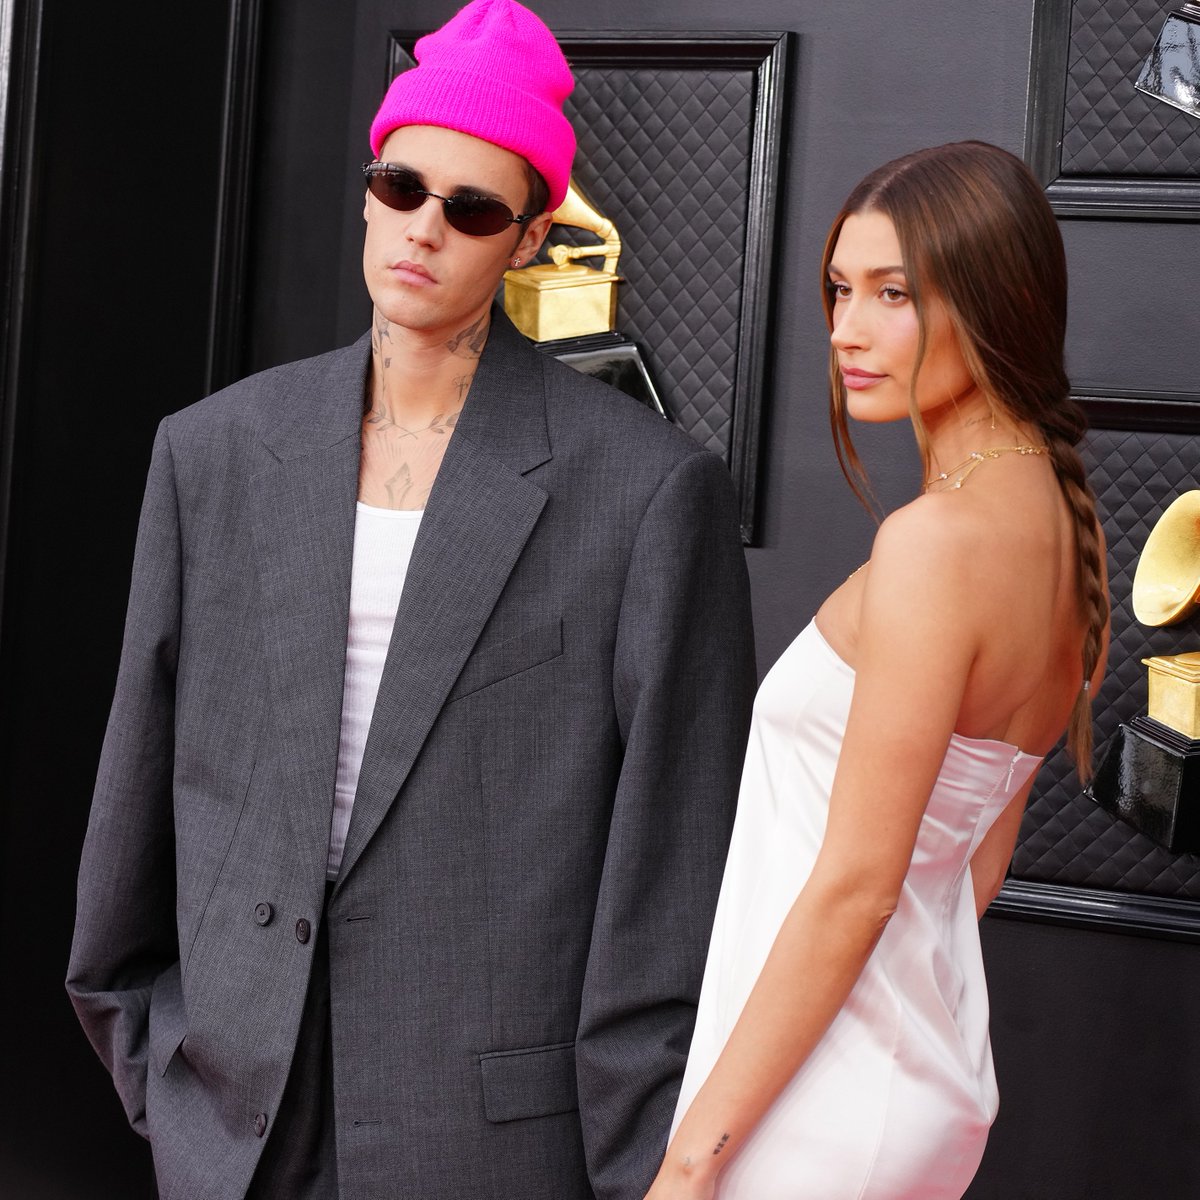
(516, 262)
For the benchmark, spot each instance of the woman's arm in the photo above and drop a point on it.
(917, 640)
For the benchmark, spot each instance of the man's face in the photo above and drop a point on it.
(422, 274)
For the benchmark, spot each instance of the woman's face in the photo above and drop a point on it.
(876, 330)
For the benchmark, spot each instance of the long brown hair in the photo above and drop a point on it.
(975, 230)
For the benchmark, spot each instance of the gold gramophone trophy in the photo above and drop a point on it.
(1150, 775)
(570, 310)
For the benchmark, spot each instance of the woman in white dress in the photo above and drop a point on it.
(841, 1047)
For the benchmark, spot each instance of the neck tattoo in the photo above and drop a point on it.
(469, 342)
(380, 421)
(955, 477)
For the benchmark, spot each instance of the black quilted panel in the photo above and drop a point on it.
(1109, 128)
(665, 153)
(1065, 837)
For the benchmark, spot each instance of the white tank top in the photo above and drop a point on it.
(383, 545)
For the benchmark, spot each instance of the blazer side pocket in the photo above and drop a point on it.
(168, 1019)
(507, 658)
(534, 1082)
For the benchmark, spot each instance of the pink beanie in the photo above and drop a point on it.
(494, 71)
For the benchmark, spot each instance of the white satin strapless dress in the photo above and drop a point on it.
(896, 1100)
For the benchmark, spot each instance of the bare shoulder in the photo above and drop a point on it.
(924, 593)
(911, 551)
(932, 537)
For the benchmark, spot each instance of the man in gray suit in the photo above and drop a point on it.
(416, 790)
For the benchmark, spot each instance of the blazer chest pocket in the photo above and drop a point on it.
(509, 657)
(536, 1082)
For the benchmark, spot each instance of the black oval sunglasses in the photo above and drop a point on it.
(476, 216)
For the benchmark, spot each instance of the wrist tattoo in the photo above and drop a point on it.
(721, 1143)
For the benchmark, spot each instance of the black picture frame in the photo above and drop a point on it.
(764, 56)
(1098, 909)
(1150, 412)
(1115, 196)
(20, 49)
(227, 312)
(1137, 197)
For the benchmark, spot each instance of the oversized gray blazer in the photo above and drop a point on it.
(518, 931)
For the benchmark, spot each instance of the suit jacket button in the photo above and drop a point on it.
(303, 931)
(260, 1124)
(263, 913)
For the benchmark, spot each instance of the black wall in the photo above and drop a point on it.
(116, 171)
(1092, 1030)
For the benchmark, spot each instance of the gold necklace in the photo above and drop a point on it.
(974, 460)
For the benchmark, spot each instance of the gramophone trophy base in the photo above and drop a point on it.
(611, 358)
(1150, 777)
(548, 302)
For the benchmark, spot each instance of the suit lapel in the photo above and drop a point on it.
(480, 514)
(304, 510)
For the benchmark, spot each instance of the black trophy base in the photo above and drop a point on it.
(1150, 777)
(611, 358)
